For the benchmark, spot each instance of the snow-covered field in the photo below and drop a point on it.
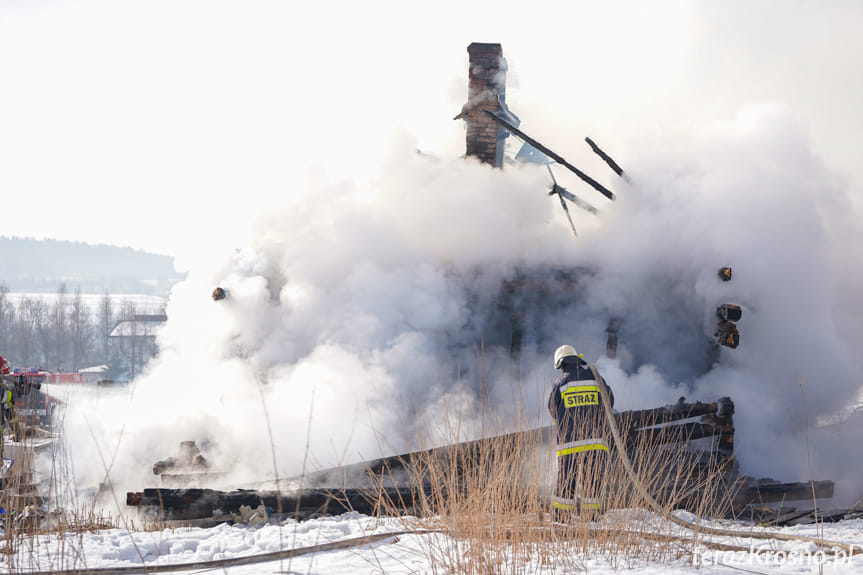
(408, 553)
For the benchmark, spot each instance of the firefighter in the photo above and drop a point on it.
(7, 404)
(7, 398)
(576, 407)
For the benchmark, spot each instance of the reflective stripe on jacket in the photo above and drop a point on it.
(580, 446)
(7, 405)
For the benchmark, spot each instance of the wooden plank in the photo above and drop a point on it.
(771, 516)
(824, 516)
(665, 414)
(394, 465)
(179, 504)
(673, 433)
(774, 492)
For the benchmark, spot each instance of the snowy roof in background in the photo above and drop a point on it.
(141, 326)
(94, 369)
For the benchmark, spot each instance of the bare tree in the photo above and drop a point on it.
(129, 340)
(56, 336)
(105, 323)
(67, 333)
(7, 320)
(30, 326)
(80, 330)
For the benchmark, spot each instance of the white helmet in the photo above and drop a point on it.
(562, 353)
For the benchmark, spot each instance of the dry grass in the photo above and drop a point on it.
(490, 495)
(38, 497)
(493, 497)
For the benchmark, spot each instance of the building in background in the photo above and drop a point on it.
(133, 341)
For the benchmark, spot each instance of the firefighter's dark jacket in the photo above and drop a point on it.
(578, 413)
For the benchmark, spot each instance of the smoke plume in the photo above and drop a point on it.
(368, 313)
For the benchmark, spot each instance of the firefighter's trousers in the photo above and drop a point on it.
(580, 476)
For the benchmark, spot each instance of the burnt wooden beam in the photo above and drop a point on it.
(172, 504)
(823, 516)
(557, 158)
(564, 193)
(673, 433)
(774, 492)
(395, 465)
(606, 158)
(769, 516)
(672, 412)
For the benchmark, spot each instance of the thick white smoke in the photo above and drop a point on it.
(747, 193)
(348, 316)
(364, 309)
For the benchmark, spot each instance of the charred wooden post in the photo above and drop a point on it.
(724, 425)
(516, 334)
(612, 339)
(606, 158)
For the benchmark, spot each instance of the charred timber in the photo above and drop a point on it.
(463, 454)
(559, 159)
(564, 193)
(671, 434)
(468, 452)
(171, 504)
(777, 492)
(606, 158)
(668, 413)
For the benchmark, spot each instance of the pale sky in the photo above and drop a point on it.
(169, 125)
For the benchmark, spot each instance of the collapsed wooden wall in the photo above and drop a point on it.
(701, 435)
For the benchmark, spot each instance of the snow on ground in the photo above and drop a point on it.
(405, 553)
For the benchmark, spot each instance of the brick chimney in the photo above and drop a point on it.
(487, 91)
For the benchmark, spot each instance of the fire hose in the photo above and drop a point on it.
(234, 561)
(654, 505)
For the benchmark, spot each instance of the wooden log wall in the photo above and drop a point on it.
(704, 432)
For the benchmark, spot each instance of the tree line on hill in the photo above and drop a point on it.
(31, 265)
